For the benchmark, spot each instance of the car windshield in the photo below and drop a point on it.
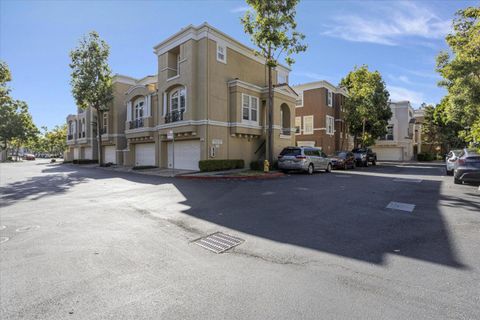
(358, 150)
(341, 154)
(291, 152)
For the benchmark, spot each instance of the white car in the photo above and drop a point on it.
(450, 159)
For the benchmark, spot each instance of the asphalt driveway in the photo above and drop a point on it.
(89, 243)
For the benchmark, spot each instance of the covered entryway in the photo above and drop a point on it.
(76, 153)
(88, 153)
(145, 154)
(187, 154)
(109, 154)
(389, 154)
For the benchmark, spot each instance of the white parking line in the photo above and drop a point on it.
(401, 206)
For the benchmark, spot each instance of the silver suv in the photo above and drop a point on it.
(305, 159)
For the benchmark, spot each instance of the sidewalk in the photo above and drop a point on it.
(235, 174)
(160, 172)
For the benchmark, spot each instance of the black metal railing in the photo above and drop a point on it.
(286, 131)
(70, 137)
(103, 130)
(137, 123)
(174, 116)
(79, 134)
(83, 134)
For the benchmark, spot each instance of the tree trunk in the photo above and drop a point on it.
(270, 116)
(363, 133)
(99, 135)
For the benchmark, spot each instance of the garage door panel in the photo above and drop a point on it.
(145, 154)
(76, 153)
(110, 154)
(389, 154)
(187, 154)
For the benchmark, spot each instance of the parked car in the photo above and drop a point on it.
(467, 167)
(343, 160)
(365, 155)
(450, 159)
(29, 156)
(306, 159)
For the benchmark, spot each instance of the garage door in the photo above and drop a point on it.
(187, 154)
(88, 153)
(389, 154)
(76, 153)
(145, 154)
(110, 154)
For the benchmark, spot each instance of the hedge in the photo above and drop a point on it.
(219, 165)
(425, 157)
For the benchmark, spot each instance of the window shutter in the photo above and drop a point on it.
(129, 111)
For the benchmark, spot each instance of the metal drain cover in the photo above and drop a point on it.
(401, 206)
(219, 242)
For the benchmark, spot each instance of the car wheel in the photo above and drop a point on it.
(374, 162)
(329, 168)
(365, 164)
(310, 169)
(457, 181)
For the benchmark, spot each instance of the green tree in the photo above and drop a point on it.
(368, 109)
(460, 70)
(16, 124)
(55, 140)
(91, 79)
(272, 28)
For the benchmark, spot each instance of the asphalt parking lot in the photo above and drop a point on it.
(89, 243)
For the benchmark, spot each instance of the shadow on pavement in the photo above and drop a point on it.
(323, 212)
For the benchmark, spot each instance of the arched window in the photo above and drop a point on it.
(138, 108)
(177, 100)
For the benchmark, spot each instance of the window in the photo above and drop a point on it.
(249, 108)
(299, 102)
(177, 100)
(138, 109)
(298, 125)
(282, 77)
(330, 125)
(221, 53)
(329, 98)
(308, 125)
(105, 122)
(389, 135)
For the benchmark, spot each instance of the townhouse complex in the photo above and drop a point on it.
(210, 92)
(208, 100)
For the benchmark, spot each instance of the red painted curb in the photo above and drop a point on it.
(262, 177)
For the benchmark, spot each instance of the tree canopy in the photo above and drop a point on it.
(460, 69)
(367, 106)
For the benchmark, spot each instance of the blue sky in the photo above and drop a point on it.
(398, 38)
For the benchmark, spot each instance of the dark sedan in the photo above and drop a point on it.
(467, 167)
(343, 160)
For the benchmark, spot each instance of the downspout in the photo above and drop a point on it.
(207, 94)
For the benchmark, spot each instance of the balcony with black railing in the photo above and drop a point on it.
(286, 131)
(137, 123)
(70, 137)
(174, 116)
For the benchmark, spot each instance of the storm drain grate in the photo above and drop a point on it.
(401, 206)
(408, 180)
(219, 242)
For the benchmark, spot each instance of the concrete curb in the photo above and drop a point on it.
(259, 177)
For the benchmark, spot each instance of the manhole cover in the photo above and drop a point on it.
(401, 206)
(27, 228)
(219, 242)
(3, 239)
(408, 180)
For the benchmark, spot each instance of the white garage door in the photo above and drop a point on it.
(109, 154)
(145, 154)
(76, 153)
(187, 154)
(88, 153)
(389, 154)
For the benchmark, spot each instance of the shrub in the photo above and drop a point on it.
(425, 157)
(256, 165)
(143, 167)
(219, 165)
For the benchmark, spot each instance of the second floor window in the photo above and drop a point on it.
(298, 124)
(249, 108)
(308, 125)
(105, 122)
(330, 125)
(138, 109)
(177, 100)
(221, 53)
(329, 98)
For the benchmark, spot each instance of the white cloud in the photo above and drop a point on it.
(391, 23)
(400, 93)
(240, 9)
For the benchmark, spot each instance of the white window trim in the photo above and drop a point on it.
(330, 98)
(301, 97)
(331, 120)
(170, 99)
(224, 46)
(105, 117)
(250, 98)
(300, 131)
(305, 127)
(135, 103)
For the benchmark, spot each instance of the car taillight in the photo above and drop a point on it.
(300, 157)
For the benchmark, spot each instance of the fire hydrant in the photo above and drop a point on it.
(266, 166)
